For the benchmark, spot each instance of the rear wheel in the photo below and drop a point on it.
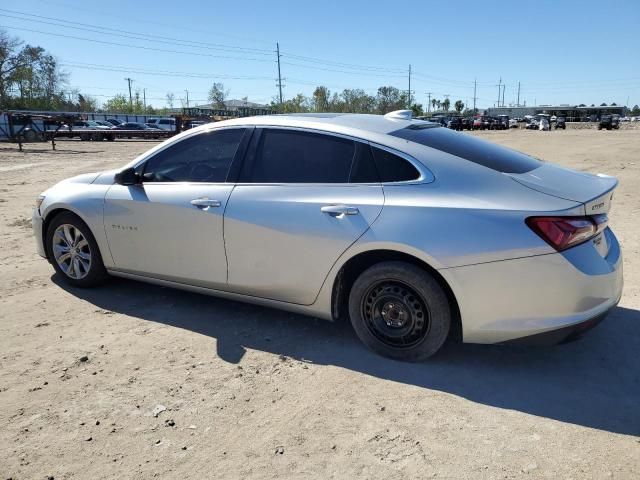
(399, 311)
(73, 251)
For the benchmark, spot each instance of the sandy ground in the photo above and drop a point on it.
(251, 392)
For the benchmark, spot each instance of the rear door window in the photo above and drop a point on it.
(470, 148)
(293, 156)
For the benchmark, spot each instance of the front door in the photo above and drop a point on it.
(170, 226)
(295, 210)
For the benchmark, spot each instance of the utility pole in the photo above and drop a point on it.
(475, 85)
(518, 103)
(504, 87)
(187, 92)
(279, 75)
(429, 101)
(409, 86)
(499, 91)
(129, 80)
(144, 99)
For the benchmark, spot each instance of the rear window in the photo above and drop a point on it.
(470, 148)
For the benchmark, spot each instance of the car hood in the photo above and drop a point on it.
(594, 191)
(84, 178)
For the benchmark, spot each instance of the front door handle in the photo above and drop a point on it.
(205, 203)
(337, 210)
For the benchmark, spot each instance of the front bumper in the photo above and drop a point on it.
(37, 223)
(505, 301)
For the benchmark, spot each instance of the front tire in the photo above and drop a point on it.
(73, 251)
(400, 311)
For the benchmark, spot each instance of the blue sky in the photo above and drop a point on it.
(560, 51)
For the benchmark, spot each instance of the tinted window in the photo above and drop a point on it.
(290, 156)
(201, 158)
(363, 169)
(392, 168)
(470, 148)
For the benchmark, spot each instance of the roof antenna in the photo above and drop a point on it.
(399, 115)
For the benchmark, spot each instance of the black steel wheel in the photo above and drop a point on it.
(395, 314)
(400, 311)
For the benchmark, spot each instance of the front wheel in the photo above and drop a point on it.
(73, 251)
(400, 311)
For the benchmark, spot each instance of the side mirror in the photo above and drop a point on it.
(128, 176)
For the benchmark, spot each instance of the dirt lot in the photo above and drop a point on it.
(251, 392)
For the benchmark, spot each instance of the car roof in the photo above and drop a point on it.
(348, 123)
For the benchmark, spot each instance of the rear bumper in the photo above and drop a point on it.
(540, 299)
(561, 335)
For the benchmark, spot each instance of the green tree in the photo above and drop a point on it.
(320, 99)
(357, 101)
(434, 103)
(218, 95)
(446, 103)
(417, 110)
(389, 99)
(635, 110)
(459, 106)
(118, 104)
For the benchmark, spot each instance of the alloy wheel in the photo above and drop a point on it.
(71, 251)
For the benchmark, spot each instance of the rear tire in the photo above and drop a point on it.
(73, 251)
(400, 311)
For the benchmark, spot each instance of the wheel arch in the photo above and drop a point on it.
(354, 266)
(49, 216)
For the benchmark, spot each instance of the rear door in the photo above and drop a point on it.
(294, 211)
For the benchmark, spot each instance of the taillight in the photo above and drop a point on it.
(565, 232)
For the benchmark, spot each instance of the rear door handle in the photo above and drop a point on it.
(337, 210)
(205, 203)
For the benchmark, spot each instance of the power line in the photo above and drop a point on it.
(140, 36)
(119, 68)
(181, 52)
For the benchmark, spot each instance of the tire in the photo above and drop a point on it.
(63, 235)
(399, 311)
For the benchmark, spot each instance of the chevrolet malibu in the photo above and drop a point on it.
(414, 232)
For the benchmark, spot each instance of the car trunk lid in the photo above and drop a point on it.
(595, 192)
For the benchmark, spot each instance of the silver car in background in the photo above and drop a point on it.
(414, 232)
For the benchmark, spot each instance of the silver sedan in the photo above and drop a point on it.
(412, 231)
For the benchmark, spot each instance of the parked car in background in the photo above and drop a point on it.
(105, 123)
(455, 123)
(503, 122)
(479, 123)
(114, 121)
(132, 127)
(153, 125)
(96, 131)
(412, 231)
(467, 123)
(608, 122)
(561, 123)
(167, 124)
(513, 123)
